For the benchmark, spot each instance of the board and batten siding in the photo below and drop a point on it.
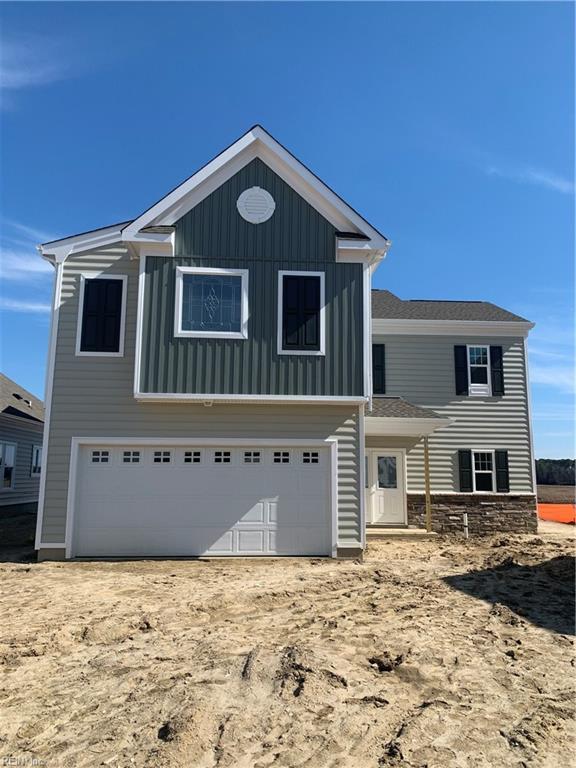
(421, 369)
(93, 397)
(252, 366)
(24, 434)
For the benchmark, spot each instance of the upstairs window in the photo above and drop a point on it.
(211, 303)
(301, 313)
(378, 369)
(7, 459)
(36, 467)
(479, 370)
(102, 308)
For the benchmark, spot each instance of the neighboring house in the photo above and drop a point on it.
(220, 384)
(21, 430)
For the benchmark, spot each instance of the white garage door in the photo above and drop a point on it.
(188, 500)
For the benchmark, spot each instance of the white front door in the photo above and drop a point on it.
(386, 491)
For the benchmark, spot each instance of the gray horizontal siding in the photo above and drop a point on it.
(93, 397)
(421, 369)
(252, 365)
(24, 435)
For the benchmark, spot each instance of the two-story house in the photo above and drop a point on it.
(222, 381)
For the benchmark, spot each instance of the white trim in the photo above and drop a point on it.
(36, 447)
(49, 386)
(139, 321)
(304, 273)
(209, 398)
(331, 443)
(511, 329)
(471, 493)
(529, 415)
(362, 474)
(179, 333)
(484, 472)
(372, 452)
(103, 276)
(10, 443)
(396, 427)
(479, 390)
(255, 143)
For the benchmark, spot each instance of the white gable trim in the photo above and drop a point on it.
(256, 143)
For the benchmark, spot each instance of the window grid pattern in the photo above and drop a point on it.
(281, 457)
(212, 303)
(192, 457)
(251, 457)
(131, 457)
(162, 457)
(479, 362)
(483, 471)
(222, 457)
(310, 457)
(100, 457)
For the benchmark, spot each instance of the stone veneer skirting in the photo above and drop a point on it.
(489, 513)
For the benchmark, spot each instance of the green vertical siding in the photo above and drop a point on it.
(296, 237)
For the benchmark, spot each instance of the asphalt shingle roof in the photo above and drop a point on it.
(387, 306)
(398, 408)
(17, 401)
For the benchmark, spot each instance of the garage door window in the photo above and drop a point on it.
(162, 457)
(281, 457)
(192, 457)
(131, 457)
(310, 457)
(222, 457)
(100, 457)
(251, 457)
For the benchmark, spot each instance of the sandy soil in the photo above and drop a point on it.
(556, 494)
(434, 654)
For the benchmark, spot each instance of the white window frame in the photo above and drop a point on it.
(84, 276)
(479, 390)
(302, 273)
(3, 444)
(36, 451)
(483, 472)
(244, 314)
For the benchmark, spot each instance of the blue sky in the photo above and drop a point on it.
(448, 125)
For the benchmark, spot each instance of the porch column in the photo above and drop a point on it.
(427, 485)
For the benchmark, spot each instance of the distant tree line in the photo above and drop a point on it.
(555, 472)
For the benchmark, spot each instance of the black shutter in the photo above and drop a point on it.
(461, 369)
(101, 315)
(465, 471)
(378, 369)
(502, 475)
(301, 312)
(497, 371)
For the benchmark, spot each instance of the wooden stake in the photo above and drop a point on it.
(427, 485)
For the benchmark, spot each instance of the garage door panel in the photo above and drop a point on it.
(128, 504)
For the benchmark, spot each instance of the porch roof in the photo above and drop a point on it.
(396, 416)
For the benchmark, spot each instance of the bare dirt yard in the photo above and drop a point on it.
(437, 654)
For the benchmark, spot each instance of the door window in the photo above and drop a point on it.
(387, 472)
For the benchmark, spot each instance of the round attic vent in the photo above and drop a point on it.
(255, 205)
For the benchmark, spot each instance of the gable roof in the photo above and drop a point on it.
(388, 306)
(155, 223)
(17, 401)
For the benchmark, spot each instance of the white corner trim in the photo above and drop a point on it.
(180, 333)
(362, 474)
(304, 273)
(76, 442)
(367, 331)
(511, 329)
(396, 427)
(139, 321)
(529, 416)
(48, 390)
(106, 276)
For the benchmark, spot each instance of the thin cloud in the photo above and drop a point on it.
(558, 376)
(533, 176)
(31, 63)
(23, 265)
(13, 305)
(31, 233)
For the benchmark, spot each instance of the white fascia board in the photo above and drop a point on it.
(208, 399)
(255, 143)
(396, 427)
(510, 328)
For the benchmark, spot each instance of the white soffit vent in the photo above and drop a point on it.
(255, 205)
